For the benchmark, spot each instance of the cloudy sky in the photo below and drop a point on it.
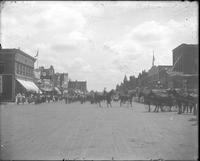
(99, 41)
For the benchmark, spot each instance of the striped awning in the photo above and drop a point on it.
(57, 90)
(29, 85)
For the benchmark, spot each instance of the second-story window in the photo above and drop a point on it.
(23, 69)
(27, 71)
(17, 68)
(20, 68)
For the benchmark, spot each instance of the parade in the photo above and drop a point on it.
(99, 81)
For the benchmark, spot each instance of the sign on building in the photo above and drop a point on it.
(47, 74)
(1, 84)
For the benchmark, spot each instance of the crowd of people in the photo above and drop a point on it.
(36, 98)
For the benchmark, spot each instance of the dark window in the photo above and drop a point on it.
(23, 69)
(31, 72)
(26, 70)
(20, 69)
(17, 68)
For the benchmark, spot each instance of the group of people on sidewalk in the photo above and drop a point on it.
(22, 98)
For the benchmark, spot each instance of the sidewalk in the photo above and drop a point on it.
(7, 103)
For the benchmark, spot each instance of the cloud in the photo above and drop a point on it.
(79, 65)
(99, 41)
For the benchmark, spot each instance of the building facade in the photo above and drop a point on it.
(61, 81)
(185, 58)
(184, 73)
(64, 79)
(47, 78)
(16, 70)
(77, 86)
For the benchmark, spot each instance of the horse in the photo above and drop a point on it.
(98, 98)
(159, 100)
(185, 101)
(108, 97)
(124, 98)
(163, 99)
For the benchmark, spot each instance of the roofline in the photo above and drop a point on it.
(184, 44)
(21, 52)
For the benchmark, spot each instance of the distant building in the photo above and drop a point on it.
(77, 86)
(184, 73)
(46, 81)
(61, 80)
(16, 72)
(64, 79)
(47, 73)
(56, 80)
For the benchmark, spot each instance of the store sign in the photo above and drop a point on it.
(1, 84)
(47, 74)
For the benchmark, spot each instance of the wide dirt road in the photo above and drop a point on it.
(74, 131)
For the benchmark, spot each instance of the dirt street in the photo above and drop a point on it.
(75, 131)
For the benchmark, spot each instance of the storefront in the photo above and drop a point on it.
(26, 86)
(183, 81)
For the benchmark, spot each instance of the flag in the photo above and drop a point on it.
(37, 53)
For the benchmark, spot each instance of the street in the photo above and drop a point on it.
(75, 131)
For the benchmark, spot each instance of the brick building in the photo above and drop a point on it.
(46, 82)
(64, 81)
(61, 81)
(16, 71)
(184, 73)
(77, 86)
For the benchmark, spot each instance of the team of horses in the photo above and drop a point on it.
(166, 99)
(100, 97)
(108, 97)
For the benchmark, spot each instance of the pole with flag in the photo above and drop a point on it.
(153, 59)
(36, 56)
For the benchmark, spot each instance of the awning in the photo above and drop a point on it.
(29, 86)
(57, 90)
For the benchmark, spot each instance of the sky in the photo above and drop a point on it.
(99, 41)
